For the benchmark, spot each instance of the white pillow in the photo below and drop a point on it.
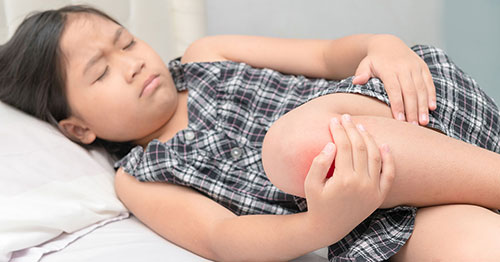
(49, 185)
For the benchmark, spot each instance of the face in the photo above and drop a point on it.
(118, 87)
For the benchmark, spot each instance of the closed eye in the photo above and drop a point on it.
(132, 43)
(103, 74)
(129, 45)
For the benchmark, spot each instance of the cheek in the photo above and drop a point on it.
(108, 113)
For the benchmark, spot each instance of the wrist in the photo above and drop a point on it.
(322, 229)
(375, 42)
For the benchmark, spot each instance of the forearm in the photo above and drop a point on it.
(330, 59)
(271, 237)
(342, 56)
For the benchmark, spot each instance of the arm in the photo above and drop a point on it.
(200, 225)
(330, 59)
(197, 223)
(204, 227)
(405, 75)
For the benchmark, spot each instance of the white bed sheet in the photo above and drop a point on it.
(129, 240)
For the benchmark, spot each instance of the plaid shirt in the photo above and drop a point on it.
(232, 105)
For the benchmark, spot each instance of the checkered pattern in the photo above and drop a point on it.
(232, 105)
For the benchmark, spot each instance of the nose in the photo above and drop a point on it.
(132, 67)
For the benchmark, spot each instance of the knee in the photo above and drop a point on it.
(281, 162)
(288, 149)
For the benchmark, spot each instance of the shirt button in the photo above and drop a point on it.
(189, 135)
(236, 153)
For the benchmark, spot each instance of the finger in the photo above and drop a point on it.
(343, 158)
(316, 176)
(359, 153)
(431, 88)
(409, 97)
(388, 170)
(361, 79)
(423, 106)
(395, 97)
(363, 73)
(374, 158)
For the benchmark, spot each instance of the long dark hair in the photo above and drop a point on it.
(32, 73)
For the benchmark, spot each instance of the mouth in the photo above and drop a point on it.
(150, 85)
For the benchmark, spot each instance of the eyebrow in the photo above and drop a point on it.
(99, 55)
(118, 33)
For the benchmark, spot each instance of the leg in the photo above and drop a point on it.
(431, 168)
(453, 233)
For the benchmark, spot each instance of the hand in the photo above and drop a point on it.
(405, 75)
(361, 180)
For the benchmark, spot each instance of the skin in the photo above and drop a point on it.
(107, 105)
(111, 108)
(438, 177)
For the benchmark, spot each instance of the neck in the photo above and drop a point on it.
(177, 122)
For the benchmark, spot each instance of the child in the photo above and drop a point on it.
(210, 126)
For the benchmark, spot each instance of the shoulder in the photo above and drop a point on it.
(206, 49)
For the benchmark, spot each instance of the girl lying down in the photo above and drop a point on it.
(232, 139)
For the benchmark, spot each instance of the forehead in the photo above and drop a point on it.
(84, 35)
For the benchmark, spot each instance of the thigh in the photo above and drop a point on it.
(453, 233)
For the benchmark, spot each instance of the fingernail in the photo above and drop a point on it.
(361, 128)
(423, 117)
(432, 104)
(334, 121)
(401, 117)
(386, 148)
(346, 117)
(328, 149)
(414, 122)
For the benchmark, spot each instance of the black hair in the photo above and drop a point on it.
(32, 73)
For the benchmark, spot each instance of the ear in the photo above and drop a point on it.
(76, 130)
